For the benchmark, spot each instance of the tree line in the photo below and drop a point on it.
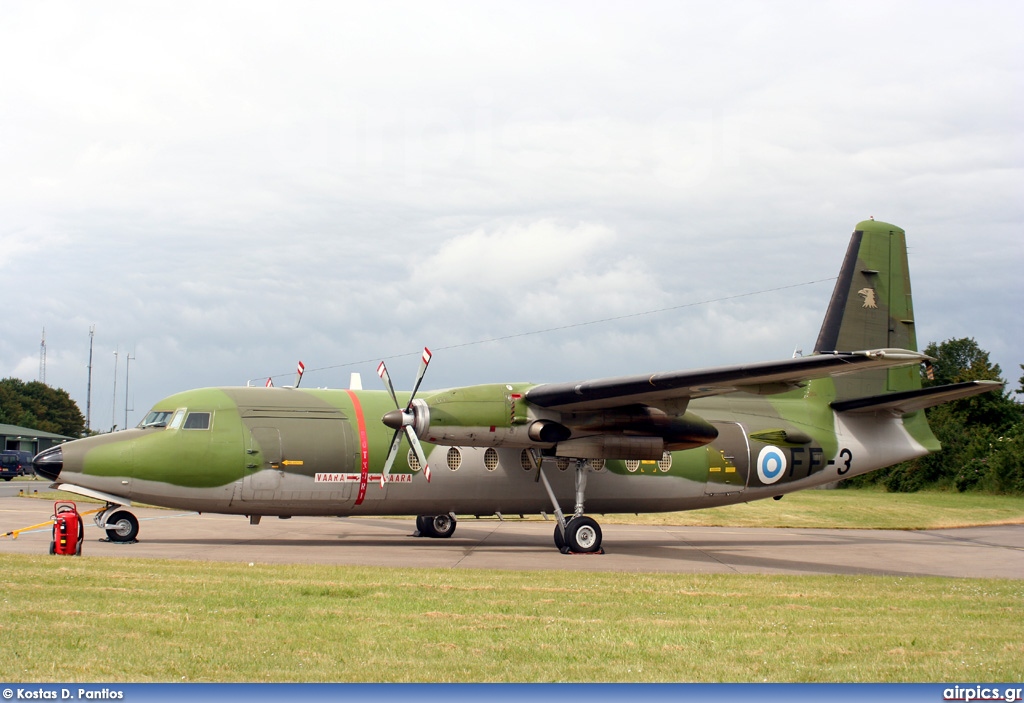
(40, 407)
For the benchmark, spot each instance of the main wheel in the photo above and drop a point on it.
(122, 526)
(559, 537)
(583, 534)
(442, 526)
(421, 525)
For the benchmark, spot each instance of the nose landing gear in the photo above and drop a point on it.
(121, 526)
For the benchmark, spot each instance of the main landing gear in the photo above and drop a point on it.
(439, 526)
(579, 534)
(121, 526)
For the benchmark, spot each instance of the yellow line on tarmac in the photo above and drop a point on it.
(13, 534)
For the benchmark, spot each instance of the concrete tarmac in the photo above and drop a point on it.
(991, 552)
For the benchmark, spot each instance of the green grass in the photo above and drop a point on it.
(119, 620)
(855, 509)
(116, 620)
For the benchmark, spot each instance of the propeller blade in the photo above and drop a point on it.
(418, 449)
(392, 454)
(424, 362)
(382, 371)
(299, 370)
(403, 419)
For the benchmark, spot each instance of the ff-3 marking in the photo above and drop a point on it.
(817, 459)
(847, 456)
(806, 461)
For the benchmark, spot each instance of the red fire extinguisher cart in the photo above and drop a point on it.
(68, 530)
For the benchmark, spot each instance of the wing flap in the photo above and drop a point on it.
(906, 402)
(763, 377)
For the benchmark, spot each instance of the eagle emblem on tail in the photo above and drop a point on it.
(870, 301)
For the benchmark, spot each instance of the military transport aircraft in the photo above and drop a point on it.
(656, 442)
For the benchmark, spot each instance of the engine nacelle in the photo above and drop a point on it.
(548, 432)
(608, 446)
(497, 415)
(682, 431)
(492, 415)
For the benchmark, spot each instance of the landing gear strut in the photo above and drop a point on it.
(579, 534)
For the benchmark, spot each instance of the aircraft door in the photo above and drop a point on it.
(263, 474)
(728, 460)
(298, 457)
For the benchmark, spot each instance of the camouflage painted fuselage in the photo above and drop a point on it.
(281, 451)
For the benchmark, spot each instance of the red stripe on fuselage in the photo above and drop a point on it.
(364, 448)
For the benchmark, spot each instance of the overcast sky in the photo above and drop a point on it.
(223, 189)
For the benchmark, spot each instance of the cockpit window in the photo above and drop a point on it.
(156, 418)
(197, 421)
(175, 422)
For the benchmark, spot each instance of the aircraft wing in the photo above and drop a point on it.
(678, 387)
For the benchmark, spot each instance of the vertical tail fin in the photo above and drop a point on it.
(871, 308)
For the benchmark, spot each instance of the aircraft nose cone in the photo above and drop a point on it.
(48, 464)
(393, 419)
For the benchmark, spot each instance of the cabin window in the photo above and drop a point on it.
(175, 422)
(197, 421)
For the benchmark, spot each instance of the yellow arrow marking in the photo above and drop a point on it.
(288, 462)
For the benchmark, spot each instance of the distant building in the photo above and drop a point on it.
(24, 439)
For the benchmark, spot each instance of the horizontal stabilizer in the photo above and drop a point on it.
(906, 402)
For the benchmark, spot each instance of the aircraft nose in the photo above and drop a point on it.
(49, 463)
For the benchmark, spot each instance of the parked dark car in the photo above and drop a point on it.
(26, 462)
(11, 465)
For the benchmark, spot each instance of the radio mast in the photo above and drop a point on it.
(113, 410)
(42, 359)
(88, 391)
(127, 367)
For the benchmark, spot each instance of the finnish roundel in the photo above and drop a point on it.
(771, 464)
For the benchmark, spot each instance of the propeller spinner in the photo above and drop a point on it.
(405, 420)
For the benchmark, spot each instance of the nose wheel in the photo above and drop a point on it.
(120, 525)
